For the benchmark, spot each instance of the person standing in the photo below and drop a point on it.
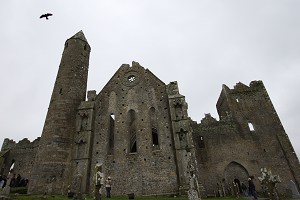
(108, 187)
(1, 183)
(252, 191)
(244, 189)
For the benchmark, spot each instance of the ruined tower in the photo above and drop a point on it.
(249, 136)
(50, 173)
(257, 121)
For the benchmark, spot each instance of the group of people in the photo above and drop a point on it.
(250, 191)
(16, 181)
(13, 180)
(237, 188)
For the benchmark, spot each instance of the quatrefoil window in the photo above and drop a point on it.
(131, 78)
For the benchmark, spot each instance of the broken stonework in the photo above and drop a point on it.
(138, 128)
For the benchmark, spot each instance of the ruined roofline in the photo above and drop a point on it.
(24, 143)
(241, 87)
(134, 65)
(122, 67)
(209, 120)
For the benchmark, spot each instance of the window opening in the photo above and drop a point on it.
(12, 165)
(154, 131)
(131, 78)
(133, 143)
(251, 127)
(201, 142)
(112, 116)
(132, 131)
(154, 137)
(111, 135)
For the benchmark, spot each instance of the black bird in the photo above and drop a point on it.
(46, 15)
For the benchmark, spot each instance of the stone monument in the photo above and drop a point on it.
(193, 192)
(98, 181)
(269, 182)
(6, 189)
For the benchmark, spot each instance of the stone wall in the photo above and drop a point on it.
(247, 137)
(133, 108)
(21, 155)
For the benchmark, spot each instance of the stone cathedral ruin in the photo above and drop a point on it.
(138, 129)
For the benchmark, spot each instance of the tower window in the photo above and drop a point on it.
(201, 142)
(251, 127)
(112, 116)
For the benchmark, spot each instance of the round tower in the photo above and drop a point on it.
(52, 164)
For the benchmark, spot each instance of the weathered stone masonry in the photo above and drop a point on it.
(138, 128)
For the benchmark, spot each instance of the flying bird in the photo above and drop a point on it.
(46, 15)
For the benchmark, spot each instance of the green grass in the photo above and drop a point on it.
(58, 197)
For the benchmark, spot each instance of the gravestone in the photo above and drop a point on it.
(269, 182)
(98, 181)
(6, 189)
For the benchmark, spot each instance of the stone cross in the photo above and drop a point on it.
(6, 189)
(269, 181)
(98, 181)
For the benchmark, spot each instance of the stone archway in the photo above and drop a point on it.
(235, 172)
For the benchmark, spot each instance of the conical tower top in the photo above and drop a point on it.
(80, 36)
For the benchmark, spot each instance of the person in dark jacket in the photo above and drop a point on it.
(252, 191)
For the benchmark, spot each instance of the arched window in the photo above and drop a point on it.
(154, 131)
(132, 131)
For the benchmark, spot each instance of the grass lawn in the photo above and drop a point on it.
(57, 197)
(20, 194)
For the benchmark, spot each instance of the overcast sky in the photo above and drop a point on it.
(202, 44)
